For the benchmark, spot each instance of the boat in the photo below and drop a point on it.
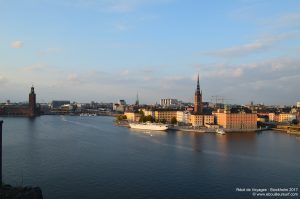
(149, 126)
(220, 131)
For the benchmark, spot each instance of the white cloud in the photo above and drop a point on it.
(35, 67)
(16, 44)
(238, 50)
(263, 43)
(289, 20)
(222, 71)
(73, 77)
(238, 72)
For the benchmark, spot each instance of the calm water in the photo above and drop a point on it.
(87, 157)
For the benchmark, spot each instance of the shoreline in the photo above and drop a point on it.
(287, 131)
(199, 130)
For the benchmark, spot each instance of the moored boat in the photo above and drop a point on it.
(149, 126)
(220, 131)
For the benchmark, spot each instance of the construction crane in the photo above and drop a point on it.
(218, 99)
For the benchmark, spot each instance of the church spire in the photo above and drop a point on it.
(198, 106)
(198, 84)
(198, 87)
(137, 99)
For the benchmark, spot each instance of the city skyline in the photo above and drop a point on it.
(109, 50)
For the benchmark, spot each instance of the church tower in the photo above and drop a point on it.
(137, 102)
(198, 106)
(32, 102)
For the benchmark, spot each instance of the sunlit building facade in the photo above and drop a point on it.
(240, 120)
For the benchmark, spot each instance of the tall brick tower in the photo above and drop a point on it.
(32, 103)
(198, 106)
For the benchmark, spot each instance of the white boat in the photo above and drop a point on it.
(149, 126)
(220, 131)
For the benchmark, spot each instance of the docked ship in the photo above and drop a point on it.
(149, 126)
(220, 131)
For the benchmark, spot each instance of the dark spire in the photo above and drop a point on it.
(32, 89)
(198, 86)
(137, 99)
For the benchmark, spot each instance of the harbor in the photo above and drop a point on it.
(126, 124)
(139, 162)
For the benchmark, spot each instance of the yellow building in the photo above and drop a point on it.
(282, 117)
(148, 112)
(240, 120)
(273, 117)
(201, 120)
(197, 120)
(165, 114)
(209, 119)
(133, 117)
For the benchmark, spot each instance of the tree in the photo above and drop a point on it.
(163, 121)
(173, 120)
(295, 121)
(121, 117)
(147, 118)
(142, 112)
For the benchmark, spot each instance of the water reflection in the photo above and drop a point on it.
(60, 153)
(147, 132)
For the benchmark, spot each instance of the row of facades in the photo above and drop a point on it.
(196, 117)
(223, 118)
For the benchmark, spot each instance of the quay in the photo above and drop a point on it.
(288, 129)
(199, 130)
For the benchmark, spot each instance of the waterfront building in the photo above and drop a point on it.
(209, 119)
(282, 117)
(197, 120)
(164, 114)
(202, 120)
(236, 119)
(27, 110)
(132, 116)
(148, 112)
(118, 108)
(183, 117)
(273, 117)
(58, 103)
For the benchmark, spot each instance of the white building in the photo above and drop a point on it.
(183, 117)
(168, 102)
(298, 104)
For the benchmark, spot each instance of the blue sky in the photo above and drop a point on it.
(84, 50)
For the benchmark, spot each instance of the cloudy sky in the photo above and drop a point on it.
(106, 50)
